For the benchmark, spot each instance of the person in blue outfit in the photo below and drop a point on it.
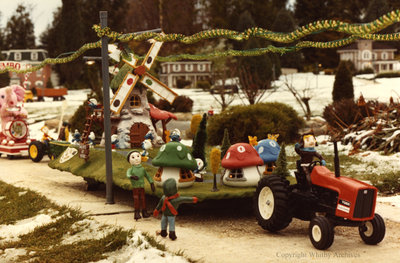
(306, 150)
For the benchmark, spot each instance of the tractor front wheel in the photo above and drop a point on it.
(36, 151)
(321, 232)
(373, 231)
(271, 203)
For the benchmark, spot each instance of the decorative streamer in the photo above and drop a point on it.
(355, 31)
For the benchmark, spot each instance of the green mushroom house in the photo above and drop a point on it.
(175, 161)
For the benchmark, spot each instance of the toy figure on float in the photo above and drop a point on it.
(14, 133)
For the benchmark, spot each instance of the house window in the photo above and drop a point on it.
(34, 56)
(164, 69)
(374, 56)
(366, 54)
(134, 101)
(39, 73)
(201, 67)
(390, 66)
(236, 175)
(17, 56)
(176, 68)
(157, 176)
(384, 56)
(189, 67)
(185, 175)
(384, 67)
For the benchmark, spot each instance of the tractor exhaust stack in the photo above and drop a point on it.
(336, 159)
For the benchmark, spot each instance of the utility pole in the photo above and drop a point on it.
(106, 109)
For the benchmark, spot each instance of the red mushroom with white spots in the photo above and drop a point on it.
(241, 163)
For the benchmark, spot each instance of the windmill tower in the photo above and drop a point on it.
(130, 107)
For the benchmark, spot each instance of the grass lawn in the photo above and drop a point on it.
(48, 241)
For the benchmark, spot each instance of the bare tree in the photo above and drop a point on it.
(253, 87)
(224, 90)
(302, 95)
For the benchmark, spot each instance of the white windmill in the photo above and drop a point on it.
(140, 72)
(130, 105)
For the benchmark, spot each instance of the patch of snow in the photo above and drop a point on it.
(11, 254)
(21, 227)
(22, 193)
(86, 229)
(139, 250)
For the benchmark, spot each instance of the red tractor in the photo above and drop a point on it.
(331, 200)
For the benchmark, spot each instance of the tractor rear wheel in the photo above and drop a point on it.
(321, 232)
(271, 203)
(36, 151)
(373, 231)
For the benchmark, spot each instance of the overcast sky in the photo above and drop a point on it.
(41, 16)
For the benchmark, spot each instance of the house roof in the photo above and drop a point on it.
(375, 45)
(241, 155)
(175, 154)
(268, 150)
(156, 113)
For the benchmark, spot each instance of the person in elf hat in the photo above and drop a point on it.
(136, 174)
(307, 152)
(168, 205)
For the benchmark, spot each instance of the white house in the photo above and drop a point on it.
(192, 71)
(371, 54)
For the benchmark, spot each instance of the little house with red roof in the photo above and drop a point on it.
(380, 56)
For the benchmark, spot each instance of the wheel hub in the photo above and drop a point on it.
(266, 202)
(369, 229)
(316, 233)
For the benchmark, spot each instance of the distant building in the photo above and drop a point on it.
(370, 54)
(22, 58)
(192, 71)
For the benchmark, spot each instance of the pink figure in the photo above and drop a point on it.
(9, 100)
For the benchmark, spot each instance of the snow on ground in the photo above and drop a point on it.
(13, 231)
(139, 250)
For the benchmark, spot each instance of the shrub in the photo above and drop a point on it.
(366, 71)
(388, 75)
(203, 84)
(182, 104)
(194, 124)
(182, 83)
(343, 85)
(342, 113)
(256, 120)
(78, 122)
(388, 183)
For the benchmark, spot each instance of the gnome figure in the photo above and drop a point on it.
(137, 174)
(168, 205)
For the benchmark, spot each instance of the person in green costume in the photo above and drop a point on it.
(136, 174)
(168, 205)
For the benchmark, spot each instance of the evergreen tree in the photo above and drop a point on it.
(71, 39)
(376, 9)
(284, 22)
(19, 33)
(281, 163)
(225, 143)
(199, 141)
(343, 85)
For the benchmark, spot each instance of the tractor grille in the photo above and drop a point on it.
(364, 203)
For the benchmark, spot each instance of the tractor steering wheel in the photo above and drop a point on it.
(312, 164)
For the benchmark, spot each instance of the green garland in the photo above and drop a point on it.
(356, 31)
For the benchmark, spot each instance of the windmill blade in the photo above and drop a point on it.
(131, 61)
(152, 54)
(114, 52)
(123, 92)
(159, 88)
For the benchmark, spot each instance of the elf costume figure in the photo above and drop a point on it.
(136, 174)
(168, 205)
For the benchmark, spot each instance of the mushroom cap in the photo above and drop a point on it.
(175, 154)
(268, 150)
(241, 155)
